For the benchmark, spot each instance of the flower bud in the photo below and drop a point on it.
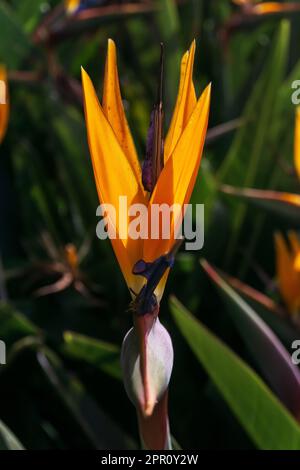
(147, 366)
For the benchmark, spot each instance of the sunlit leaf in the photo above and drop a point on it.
(266, 421)
(100, 354)
(8, 441)
(99, 428)
(14, 325)
(272, 313)
(169, 27)
(263, 344)
(247, 163)
(16, 44)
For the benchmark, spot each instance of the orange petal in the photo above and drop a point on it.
(176, 181)
(71, 5)
(295, 246)
(297, 263)
(71, 255)
(294, 242)
(297, 143)
(283, 267)
(291, 198)
(288, 278)
(275, 7)
(4, 102)
(185, 104)
(114, 110)
(114, 177)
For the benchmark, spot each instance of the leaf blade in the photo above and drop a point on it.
(103, 355)
(261, 414)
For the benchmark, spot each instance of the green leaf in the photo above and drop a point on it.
(14, 325)
(41, 206)
(29, 12)
(264, 345)
(74, 168)
(272, 313)
(16, 44)
(100, 354)
(249, 161)
(8, 441)
(98, 427)
(258, 113)
(205, 190)
(169, 31)
(260, 413)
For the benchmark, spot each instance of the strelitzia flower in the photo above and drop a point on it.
(4, 102)
(288, 270)
(167, 177)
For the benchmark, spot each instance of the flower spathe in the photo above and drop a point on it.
(116, 166)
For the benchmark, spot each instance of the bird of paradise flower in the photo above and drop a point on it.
(167, 177)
